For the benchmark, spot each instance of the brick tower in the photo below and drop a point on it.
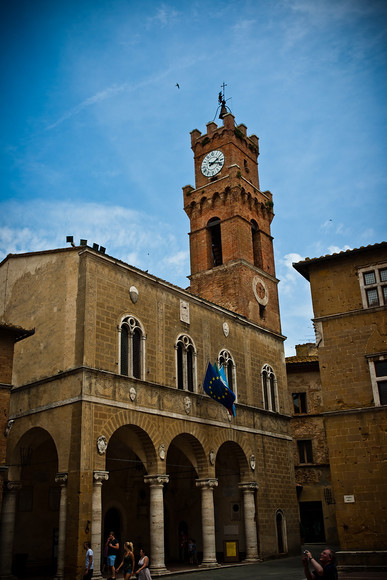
(232, 260)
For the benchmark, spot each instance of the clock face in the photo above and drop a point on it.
(212, 163)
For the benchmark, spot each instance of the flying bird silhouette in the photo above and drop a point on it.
(178, 86)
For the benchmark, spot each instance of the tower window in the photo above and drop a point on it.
(131, 348)
(185, 363)
(256, 245)
(213, 227)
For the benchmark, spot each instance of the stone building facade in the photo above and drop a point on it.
(111, 427)
(310, 447)
(349, 295)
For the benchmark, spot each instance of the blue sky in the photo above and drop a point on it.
(95, 135)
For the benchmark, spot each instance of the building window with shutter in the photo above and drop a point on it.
(378, 373)
(132, 350)
(299, 403)
(305, 454)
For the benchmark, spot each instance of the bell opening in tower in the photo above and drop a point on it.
(213, 227)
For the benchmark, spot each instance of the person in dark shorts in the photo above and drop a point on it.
(113, 547)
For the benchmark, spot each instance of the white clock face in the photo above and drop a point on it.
(212, 163)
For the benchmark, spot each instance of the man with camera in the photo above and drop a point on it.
(325, 568)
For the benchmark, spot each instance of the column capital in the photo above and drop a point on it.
(208, 483)
(61, 478)
(12, 485)
(100, 476)
(158, 479)
(248, 486)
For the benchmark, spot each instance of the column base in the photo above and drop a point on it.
(157, 571)
(252, 560)
(209, 565)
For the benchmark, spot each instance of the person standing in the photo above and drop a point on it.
(89, 561)
(142, 572)
(127, 563)
(325, 568)
(113, 547)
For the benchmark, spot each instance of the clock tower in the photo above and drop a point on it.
(231, 248)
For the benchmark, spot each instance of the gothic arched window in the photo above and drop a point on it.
(227, 362)
(280, 523)
(213, 227)
(185, 363)
(132, 351)
(269, 389)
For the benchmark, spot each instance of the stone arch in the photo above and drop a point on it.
(35, 466)
(130, 456)
(143, 425)
(190, 445)
(230, 470)
(185, 464)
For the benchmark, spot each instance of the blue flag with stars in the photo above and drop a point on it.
(216, 387)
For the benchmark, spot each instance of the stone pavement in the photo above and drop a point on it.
(284, 568)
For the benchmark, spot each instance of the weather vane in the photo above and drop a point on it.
(224, 109)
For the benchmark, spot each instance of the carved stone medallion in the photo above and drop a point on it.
(102, 444)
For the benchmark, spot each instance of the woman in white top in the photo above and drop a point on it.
(142, 572)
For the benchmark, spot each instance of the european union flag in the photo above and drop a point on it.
(216, 387)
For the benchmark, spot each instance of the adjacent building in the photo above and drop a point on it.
(349, 295)
(311, 454)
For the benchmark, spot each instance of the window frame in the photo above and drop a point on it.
(377, 286)
(133, 327)
(306, 446)
(269, 389)
(302, 403)
(375, 380)
(230, 367)
(186, 371)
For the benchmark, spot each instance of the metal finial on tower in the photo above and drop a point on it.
(224, 109)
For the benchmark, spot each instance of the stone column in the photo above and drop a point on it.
(249, 488)
(208, 520)
(96, 520)
(157, 556)
(61, 478)
(8, 528)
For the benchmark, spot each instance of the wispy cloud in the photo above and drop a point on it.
(128, 235)
(103, 95)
